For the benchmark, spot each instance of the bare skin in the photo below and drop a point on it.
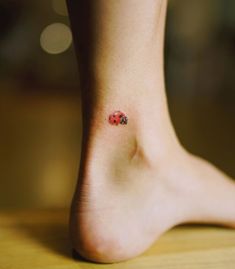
(136, 181)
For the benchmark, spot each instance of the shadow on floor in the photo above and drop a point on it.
(51, 233)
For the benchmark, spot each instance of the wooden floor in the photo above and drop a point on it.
(39, 240)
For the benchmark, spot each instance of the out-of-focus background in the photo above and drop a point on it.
(40, 118)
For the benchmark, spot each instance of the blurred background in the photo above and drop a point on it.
(40, 118)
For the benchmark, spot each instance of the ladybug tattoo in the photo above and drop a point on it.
(118, 117)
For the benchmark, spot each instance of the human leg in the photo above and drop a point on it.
(136, 181)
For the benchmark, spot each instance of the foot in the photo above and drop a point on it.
(136, 182)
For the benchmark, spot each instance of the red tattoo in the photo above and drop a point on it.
(118, 117)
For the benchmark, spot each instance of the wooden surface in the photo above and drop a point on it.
(39, 240)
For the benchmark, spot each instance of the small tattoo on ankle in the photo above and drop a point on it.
(118, 117)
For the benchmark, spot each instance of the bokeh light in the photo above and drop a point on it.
(56, 38)
(59, 6)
